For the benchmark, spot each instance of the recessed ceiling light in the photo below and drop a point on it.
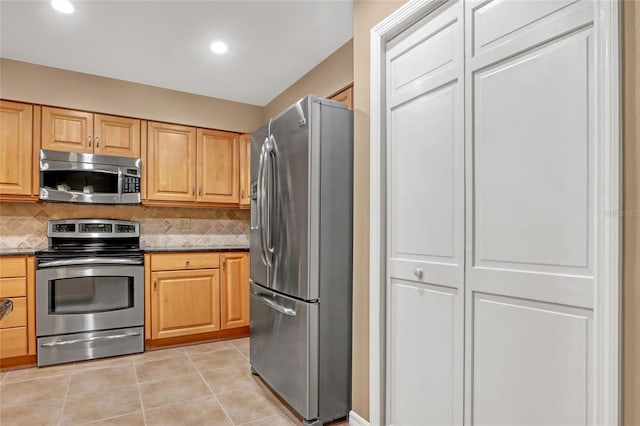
(63, 6)
(218, 47)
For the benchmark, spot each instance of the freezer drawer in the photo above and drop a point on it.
(284, 347)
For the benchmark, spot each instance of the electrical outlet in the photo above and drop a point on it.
(184, 223)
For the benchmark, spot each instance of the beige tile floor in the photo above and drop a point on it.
(204, 384)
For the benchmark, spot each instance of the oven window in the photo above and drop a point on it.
(85, 295)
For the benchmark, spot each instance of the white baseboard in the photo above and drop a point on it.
(356, 420)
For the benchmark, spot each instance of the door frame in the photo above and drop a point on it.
(607, 305)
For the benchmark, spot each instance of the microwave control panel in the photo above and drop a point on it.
(131, 185)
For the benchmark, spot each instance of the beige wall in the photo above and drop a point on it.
(366, 14)
(631, 251)
(37, 84)
(325, 79)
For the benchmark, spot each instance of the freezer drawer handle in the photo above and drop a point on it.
(89, 339)
(274, 305)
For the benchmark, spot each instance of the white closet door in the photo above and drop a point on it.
(530, 212)
(425, 234)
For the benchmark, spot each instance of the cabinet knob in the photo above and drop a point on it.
(97, 141)
(199, 190)
(418, 273)
(89, 140)
(187, 261)
(155, 285)
(193, 189)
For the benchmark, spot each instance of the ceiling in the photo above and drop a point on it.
(166, 43)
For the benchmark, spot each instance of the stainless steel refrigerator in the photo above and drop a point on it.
(301, 257)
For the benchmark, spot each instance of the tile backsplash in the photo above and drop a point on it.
(24, 225)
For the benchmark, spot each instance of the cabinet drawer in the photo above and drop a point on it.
(13, 267)
(13, 287)
(13, 342)
(182, 261)
(18, 317)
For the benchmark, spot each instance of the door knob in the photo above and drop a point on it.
(418, 273)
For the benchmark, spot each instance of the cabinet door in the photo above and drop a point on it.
(346, 97)
(67, 130)
(245, 169)
(218, 166)
(234, 292)
(185, 302)
(16, 148)
(171, 168)
(116, 136)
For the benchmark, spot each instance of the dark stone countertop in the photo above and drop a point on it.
(196, 249)
(32, 251)
(18, 251)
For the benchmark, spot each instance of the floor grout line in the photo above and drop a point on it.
(64, 401)
(211, 390)
(135, 372)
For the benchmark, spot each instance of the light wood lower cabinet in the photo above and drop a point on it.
(17, 283)
(195, 293)
(185, 302)
(234, 289)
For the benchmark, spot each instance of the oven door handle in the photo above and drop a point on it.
(90, 260)
(88, 339)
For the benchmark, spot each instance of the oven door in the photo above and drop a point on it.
(74, 299)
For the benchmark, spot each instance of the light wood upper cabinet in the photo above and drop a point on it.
(185, 164)
(16, 148)
(245, 170)
(346, 96)
(67, 130)
(234, 290)
(80, 131)
(116, 136)
(217, 159)
(171, 162)
(185, 302)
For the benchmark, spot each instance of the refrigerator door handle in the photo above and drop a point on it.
(273, 305)
(273, 194)
(260, 203)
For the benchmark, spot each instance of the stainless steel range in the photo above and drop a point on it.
(89, 291)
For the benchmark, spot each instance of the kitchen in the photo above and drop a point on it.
(29, 84)
(199, 237)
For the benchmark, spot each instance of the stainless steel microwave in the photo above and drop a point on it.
(89, 178)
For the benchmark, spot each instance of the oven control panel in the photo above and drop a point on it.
(93, 228)
(96, 227)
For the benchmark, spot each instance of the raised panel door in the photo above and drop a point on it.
(530, 212)
(67, 130)
(171, 158)
(185, 302)
(13, 342)
(245, 170)
(234, 290)
(218, 158)
(425, 232)
(16, 148)
(116, 136)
